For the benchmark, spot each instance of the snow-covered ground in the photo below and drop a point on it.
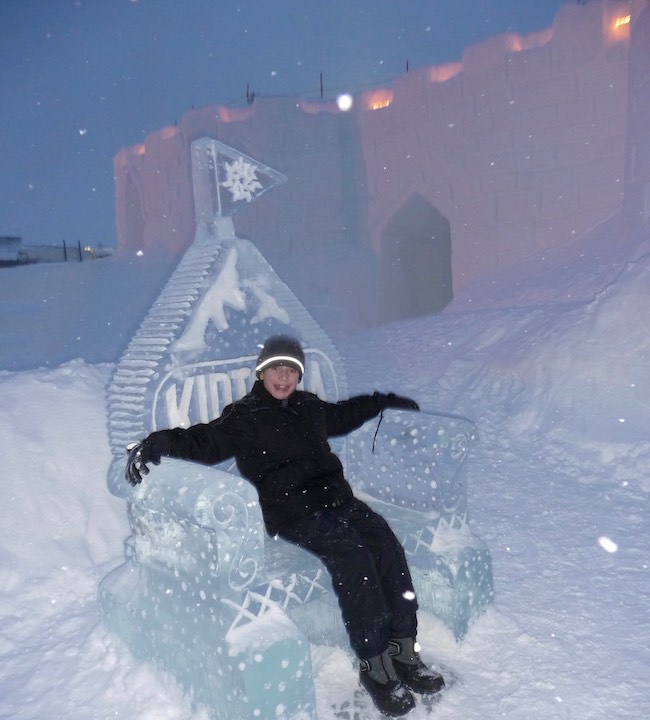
(554, 368)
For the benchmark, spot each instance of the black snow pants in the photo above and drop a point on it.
(369, 572)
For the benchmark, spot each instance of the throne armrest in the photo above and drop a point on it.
(416, 461)
(188, 518)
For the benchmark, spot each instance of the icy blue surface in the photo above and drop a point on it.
(206, 594)
(203, 592)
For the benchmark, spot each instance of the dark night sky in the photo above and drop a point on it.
(80, 79)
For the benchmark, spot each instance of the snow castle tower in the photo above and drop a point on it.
(203, 592)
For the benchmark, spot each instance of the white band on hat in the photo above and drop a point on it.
(279, 359)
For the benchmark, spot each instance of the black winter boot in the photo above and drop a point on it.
(378, 677)
(411, 670)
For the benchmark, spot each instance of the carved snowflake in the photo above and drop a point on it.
(241, 180)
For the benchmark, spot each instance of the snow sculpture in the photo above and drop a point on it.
(203, 592)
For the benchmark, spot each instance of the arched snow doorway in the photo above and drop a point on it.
(415, 262)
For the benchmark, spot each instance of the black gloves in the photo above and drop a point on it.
(150, 450)
(390, 400)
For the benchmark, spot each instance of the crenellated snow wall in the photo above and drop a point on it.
(526, 144)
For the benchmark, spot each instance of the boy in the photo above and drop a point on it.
(278, 436)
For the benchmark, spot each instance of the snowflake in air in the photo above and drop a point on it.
(241, 180)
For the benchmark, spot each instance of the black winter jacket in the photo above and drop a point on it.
(280, 446)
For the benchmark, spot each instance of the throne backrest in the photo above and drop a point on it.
(195, 350)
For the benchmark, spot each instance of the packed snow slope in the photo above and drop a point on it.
(553, 365)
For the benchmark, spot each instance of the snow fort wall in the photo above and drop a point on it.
(203, 592)
(521, 147)
(637, 179)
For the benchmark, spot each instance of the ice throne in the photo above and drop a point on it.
(203, 592)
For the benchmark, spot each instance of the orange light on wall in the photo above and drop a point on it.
(228, 114)
(536, 39)
(442, 73)
(121, 160)
(617, 29)
(314, 107)
(378, 99)
(169, 132)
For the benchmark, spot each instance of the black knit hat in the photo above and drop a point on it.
(281, 350)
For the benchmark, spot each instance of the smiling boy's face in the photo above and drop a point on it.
(280, 381)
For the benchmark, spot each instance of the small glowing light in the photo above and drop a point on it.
(619, 29)
(139, 253)
(607, 544)
(344, 102)
(378, 99)
(409, 595)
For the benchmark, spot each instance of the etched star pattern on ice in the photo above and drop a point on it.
(241, 180)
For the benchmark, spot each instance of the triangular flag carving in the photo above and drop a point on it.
(230, 179)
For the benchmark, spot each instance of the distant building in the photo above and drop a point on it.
(10, 248)
(13, 252)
